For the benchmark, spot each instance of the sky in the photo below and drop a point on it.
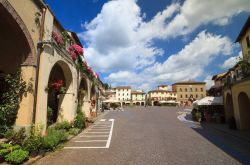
(144, 43)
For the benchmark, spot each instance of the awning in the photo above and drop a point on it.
(209, 101)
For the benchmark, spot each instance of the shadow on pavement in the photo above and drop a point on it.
(231, 145)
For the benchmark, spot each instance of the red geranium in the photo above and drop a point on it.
(75, 51)
(56, 85)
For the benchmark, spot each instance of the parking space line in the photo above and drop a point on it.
(110, 134)
(97, 132)
(83, 147)
(95, 136)
(103, 120)
(89, 141)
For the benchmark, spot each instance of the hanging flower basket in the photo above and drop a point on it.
(57, 86)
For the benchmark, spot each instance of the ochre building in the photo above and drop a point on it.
(189, 91)
(237, 84)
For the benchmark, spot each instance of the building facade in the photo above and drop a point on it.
(44, 59)
(138, 98)
(236, 90)
(161, 94)
(123, 93)
(189, 91)
(217, 88)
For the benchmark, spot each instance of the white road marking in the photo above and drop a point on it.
(82, 147)
(103, 120)
(95, 136)
(89, 141)
(110, 134)
(100, 130)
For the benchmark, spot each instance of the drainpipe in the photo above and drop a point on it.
(38, 63)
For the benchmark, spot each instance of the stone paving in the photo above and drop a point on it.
(149, 136)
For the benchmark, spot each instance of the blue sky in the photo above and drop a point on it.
(144, 43)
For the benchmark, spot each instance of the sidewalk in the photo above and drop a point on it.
(243, 135)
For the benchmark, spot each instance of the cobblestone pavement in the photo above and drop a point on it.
(147, 136)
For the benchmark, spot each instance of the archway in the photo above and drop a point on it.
(229, 108)
(13, 45)
(137, 103)
(244, 104)
(156, 103)
(17, 51)
(60, 79)
(93, 101)
(142, 103)
(83, 91)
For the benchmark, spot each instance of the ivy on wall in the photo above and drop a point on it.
(11, 98)
(245, 65)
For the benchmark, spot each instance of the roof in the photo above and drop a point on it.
(244, 29)
(74, 35)
(219, 76)
(123, 87)
(161, 91)
(137, 92)
(162, 85)
(188, 82)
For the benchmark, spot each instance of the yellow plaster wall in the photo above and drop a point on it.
(50, 56)
(193, 87)
(25, 113)
(236, 90)
(27, 10)
(244, 44)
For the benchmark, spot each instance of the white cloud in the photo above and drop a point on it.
(189, 63)
(230, 62)
(194, 13)
(121, 43)
(209, 82)
(112, 38)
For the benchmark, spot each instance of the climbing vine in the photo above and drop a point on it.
(245, 65)
(11, 98)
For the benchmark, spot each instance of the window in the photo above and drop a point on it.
(180, 89)
(191, 90)
(202, 89)
(127, 94)
(248, 42)
(196, 96)
(186, 96)
(196, 89)
(201, 95)
(186, 90)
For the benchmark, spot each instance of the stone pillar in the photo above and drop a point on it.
(25, 112)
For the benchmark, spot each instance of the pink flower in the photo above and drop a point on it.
(57, 38)
(77, 49)
(86, 64)
(73, 55)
